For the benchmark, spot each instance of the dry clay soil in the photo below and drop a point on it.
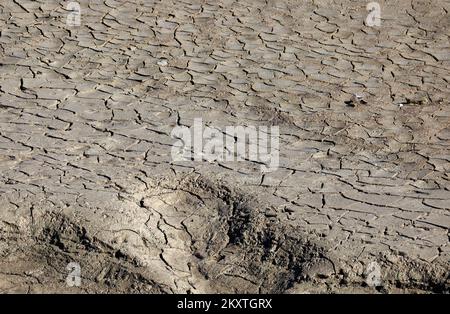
(86, 173)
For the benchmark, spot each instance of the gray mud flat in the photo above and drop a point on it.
(87, 175)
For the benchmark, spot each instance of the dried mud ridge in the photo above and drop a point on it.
(223, 242)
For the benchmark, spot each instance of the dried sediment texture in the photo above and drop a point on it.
(86, 173)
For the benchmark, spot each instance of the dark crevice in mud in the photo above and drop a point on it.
(280, 255)
(270, 257)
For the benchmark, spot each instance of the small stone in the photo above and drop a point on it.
(355, 100)
(162, 62)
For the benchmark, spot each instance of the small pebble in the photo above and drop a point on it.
(162, 62)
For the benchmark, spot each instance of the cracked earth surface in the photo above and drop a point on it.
(86, 173)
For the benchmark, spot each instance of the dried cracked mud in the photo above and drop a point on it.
(86, 173)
